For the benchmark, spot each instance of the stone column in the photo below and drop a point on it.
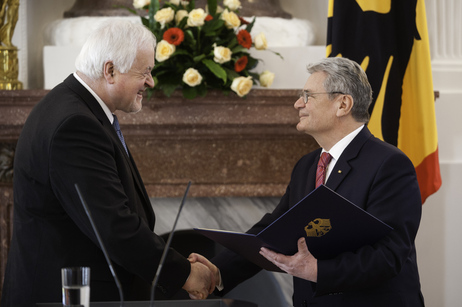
(445, 35)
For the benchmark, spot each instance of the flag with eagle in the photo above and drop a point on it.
(389, 39)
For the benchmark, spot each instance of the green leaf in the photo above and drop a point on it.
(254, 76)
(189, 38)
(277, 53)
(250, 25)
(231, 74)
(153, 8)
(213, 25)
(212, 5)
(168, 89)
(239, 48)
(189, 92)
(199, 58)
(181, 52)
(202, 89)
(192, 5)
(216, 69)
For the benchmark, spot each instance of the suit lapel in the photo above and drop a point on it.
(311, 176)
(342, 167)
(96, 109)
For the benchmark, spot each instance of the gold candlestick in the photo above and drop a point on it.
(8, 53)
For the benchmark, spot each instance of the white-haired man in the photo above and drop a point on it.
(70, 138)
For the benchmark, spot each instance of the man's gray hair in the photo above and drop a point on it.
(346, 76)
(116, 40)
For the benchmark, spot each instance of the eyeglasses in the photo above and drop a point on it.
(306, 95)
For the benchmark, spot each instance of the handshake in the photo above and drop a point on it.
(203, 279)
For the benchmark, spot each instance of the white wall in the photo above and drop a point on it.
(438, 243)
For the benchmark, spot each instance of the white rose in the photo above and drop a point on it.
(266, 78)
(260, 42)
(139, 4)
(164, 16)
(242, 85)
(232, 4)
(180, 14)
(221, 54)
(196, 18)
(164, 50)
(231, 19)
(192, 77)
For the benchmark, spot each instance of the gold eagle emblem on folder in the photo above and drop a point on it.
(318, 227)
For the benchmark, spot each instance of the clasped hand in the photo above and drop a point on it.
(203, 277)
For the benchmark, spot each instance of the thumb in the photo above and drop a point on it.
(193, 257)
(302, 245)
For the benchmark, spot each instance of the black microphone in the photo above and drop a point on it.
(167, 246)
(103, 248)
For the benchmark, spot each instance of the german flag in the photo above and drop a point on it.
(389, 39)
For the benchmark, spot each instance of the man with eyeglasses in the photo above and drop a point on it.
(378, 177)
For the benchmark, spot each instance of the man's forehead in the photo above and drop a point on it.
(315, 81)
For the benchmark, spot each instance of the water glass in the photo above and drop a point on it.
(76, 286)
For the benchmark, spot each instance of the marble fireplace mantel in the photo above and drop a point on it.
(226, 145)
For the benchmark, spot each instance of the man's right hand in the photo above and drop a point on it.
(199, 258)
(201, 281)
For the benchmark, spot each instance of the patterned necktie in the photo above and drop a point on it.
(322, 167)
(119, 133)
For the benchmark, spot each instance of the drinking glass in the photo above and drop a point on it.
(76, 286)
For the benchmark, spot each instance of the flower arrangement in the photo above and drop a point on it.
(203, 48)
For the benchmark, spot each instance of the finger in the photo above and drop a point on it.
(302, 245)
(266, 252)
(195, 295)
(193, 257)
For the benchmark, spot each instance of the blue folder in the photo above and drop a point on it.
(330, 223)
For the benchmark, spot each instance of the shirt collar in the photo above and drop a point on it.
(100, 101)
(337, 150)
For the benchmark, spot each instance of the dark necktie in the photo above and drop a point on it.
(322, 167)
(119, 133)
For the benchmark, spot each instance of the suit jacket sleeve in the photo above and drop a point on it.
(83, 151)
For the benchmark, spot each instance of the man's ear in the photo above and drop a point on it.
(108, 71)
(345, 104)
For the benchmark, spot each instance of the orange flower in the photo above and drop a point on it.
(244, 39)
(241, 63)
(208, 17)
(174, 36)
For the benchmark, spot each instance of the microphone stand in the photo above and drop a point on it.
(167, 246)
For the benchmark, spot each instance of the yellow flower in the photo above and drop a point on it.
(192, 77)
(242, 85)
(232, 4)
(266, 78)
(164, 16)
(180, 14)
(231, 19)
(196, 18)
(164, 50)
(221, 54)
(139, 4)
(260, 42)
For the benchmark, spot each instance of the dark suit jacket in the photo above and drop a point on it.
(68, 139)
(380, 179)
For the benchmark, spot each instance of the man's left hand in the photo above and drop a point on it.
(302, 264)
